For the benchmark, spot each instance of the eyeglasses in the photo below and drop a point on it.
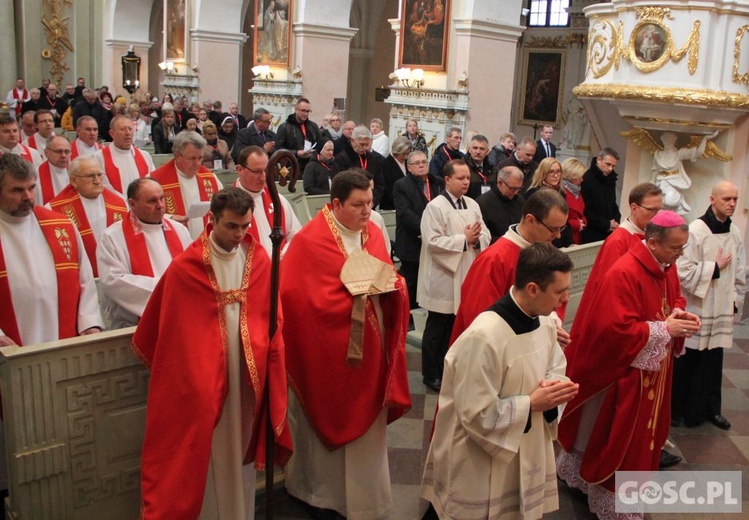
(334, 119)
(511, 188)
(59, 151)
(652, 210)
(305, 110)
(91, 176)
(256, 172)
(551, 230)
(418, 163)
(554, 172)
(266, 121)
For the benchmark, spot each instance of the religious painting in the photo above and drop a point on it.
(650, 42)
(175, 30)
(423, 36)
(272, 36)
(541, 92)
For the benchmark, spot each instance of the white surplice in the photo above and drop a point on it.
(125, 161)
(125, 294)
(60, 180)
(190, 194)
(264, 227)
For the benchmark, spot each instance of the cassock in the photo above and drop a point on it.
(262, 219)
(490, 456)
(445, 257)
(338, 410)
(613, 248)
(50, 181)
(121, 167)
(181, 191)
(206, 414)
(622, 360)
(489, 278)
(90, 216)
(713, 295)
(132, 255)
(47, 289)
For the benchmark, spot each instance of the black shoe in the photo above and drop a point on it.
(411, 325)
(675, 423)
(668, 460)
(435, 384)
(720, 421)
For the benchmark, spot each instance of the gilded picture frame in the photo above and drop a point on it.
(424, 34)
(272, 34)
(175, 31)
(541, 91)
(650, 45)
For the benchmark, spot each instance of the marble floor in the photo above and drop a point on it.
(703, 448)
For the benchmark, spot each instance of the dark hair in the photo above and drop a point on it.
(259, 112)
(232, 199)
(368, 174)
(41, 112)
(542, 202)
(345, 182)
(302, 100)
(538, 263)
(6, 120)
(134, 187)
(448, 170)
(659, 233)
(247, 151)
(642, 190)
(480, 138)
(608, 151)
(15, 166)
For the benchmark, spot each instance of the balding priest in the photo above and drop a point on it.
(48, 290)
(90, 205)
(187, 183)
(134, 252)
(123, 162)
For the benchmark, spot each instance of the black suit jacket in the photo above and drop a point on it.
(410, 203)
(392, 173)
(349, 159)
(540, 154)
(250, 136)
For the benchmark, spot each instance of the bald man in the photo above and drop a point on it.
(713, 277)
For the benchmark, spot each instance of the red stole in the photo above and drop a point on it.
(45, 179)
(26, 153)
(113, 172)
(269, 209)
(68, 202)
(60, 235)
(169, 178)
(20, 100)
(340, 399)
(74, 149)
(32, 142)
(140, 261)
(172, 477)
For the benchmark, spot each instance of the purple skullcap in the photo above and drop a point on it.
(668, 219)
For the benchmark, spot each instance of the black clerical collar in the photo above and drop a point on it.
(518, 320)
(715, 225)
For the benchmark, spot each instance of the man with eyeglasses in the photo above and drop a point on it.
(599, 193)
(252, 165)
(623, 361)
(257, 133)
(10, 143)
(300, 135)
(502, 206)
(492, 274)
(446, 152)
(53, 173)
(45, 127)
(135, 251)
(522, 158)
(90, 205)
(48, 292)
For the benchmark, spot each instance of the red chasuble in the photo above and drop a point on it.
(113, 172)
(341, 399)
(68, 202)
(60, 235)
(613, 248)
(168, 177)
(635, 417)
(188, 382)
(20, 99)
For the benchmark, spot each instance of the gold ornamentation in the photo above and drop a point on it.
(208, 188)
(61, 234)
(69, 212)
(684, 96)
(712, 150)
(171, 205)
(660, 120)
(604, 47)
(644, 139)
(651, 45)
(654, 14)
(56, 29)
(742, 79)
(559, 42)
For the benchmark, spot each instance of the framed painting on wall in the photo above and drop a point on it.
(423, 35)
(175, 30)
(272, 38)
(541, 91)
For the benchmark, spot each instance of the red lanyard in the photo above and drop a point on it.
(483, 177)
(322, 162)
(304, 131)
(428, 192)
(364, 162)
(53, 105)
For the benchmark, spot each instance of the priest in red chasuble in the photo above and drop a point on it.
(623, 361)
(207, 411)
(348, 315)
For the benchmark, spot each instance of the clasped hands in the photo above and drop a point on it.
(682, 324)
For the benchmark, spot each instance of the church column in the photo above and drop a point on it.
(112, 70)
(218, 53)
(478, 44)
(318, 51)
(361, 60)
(8, 69)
